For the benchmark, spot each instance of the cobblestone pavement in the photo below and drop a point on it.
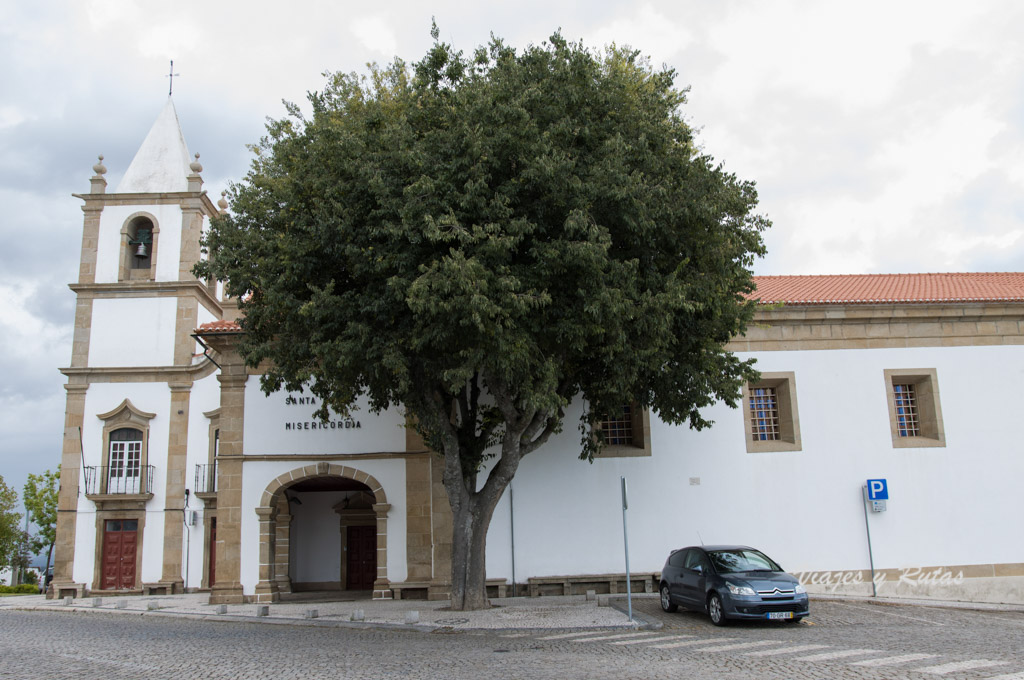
(839, 640)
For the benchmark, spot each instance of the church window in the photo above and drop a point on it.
(770, 416)
(125, 461)
(626, 433)
(915, 415)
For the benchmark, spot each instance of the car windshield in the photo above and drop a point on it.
(733, 561)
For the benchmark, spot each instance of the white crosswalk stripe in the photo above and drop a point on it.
(620, 636)
(893, 660)
(739, 645)
(644, 641)
(786, 650)
(691, 643)
(840, 654)
(1007, 676)
(566, 636)
(969, 665)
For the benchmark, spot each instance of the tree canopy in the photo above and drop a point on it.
(10, 525)
(40, 494)
(485, 238)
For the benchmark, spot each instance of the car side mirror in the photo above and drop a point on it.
(699, 569)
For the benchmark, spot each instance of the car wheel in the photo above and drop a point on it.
(666, 601)
(715, 610)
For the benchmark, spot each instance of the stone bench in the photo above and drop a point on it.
(602, 584)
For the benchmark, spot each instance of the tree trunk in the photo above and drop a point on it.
(471, 517)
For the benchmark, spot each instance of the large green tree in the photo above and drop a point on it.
(40, 494)
(10, 525)
(483, 239)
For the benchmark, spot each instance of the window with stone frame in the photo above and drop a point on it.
(626, 433)
(915, 413)
(138, 243)
(771, 420)
(124, 461)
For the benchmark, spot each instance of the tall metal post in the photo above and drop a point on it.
(512, 533)
(625, 542)
(867, 526)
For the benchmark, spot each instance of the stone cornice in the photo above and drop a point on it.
(860, 326)
(169, 374)
(167, 198)
(145, 289)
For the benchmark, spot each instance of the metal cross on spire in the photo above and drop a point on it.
(171, 75)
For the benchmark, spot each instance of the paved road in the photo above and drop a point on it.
(839, 640)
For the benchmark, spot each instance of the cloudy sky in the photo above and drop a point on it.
(883, 136)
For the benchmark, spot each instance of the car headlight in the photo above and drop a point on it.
(739, 590)
(799, 589)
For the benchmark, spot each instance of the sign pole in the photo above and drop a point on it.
(626, 545)
(867, 526)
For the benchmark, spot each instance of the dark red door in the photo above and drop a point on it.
(213, 552)
(120, 541)
(362, 558)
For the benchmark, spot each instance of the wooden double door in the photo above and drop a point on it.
(361, 563)
(120, 545)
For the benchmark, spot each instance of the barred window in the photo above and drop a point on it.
(764, 414)
(905, 400)
(618, 430)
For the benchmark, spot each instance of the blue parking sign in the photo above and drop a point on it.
(878, 490)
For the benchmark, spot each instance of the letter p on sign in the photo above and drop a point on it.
(878, 490)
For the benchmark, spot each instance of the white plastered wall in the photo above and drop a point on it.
(205, 397)
(108, 253)
(102, 398)
(949, 506)
(132, 332)
(274, 425)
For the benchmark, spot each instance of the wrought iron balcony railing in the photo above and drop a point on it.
(119, 479)
(206, 478)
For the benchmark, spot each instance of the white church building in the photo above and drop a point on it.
(178, 473)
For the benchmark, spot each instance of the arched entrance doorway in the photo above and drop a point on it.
(323, 528)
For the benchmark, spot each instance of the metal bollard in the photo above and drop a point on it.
(222, 609)
(263, 610)
(312, 614)
(122, 604)
(412, 617)
(357, 615)
(97, 602)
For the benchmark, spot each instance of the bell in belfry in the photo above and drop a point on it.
(141, 251)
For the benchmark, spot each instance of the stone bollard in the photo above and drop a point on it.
(68, 600)
(591, 595)
(312, 614)
(222, 609)
(97, 602)
(263, 610)
(357, 615)
(152, 606)
(602, 600)
(122, 604)
(412, 617)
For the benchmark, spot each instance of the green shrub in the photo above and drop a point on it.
(23, 589)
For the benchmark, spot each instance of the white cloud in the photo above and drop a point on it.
(375, 34)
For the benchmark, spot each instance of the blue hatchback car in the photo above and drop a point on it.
(731, 582)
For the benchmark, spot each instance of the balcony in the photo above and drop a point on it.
(205, 486)
(123, 485)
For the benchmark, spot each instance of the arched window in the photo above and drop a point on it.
(139, 237)
(125, 461)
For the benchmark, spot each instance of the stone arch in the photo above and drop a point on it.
(126, 271)
(273, 538)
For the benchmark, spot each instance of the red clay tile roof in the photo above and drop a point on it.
(219, 327)
(890, 288)
(850, 289)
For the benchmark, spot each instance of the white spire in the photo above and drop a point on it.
(162, 162)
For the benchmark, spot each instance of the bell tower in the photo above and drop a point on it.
(138, 304)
